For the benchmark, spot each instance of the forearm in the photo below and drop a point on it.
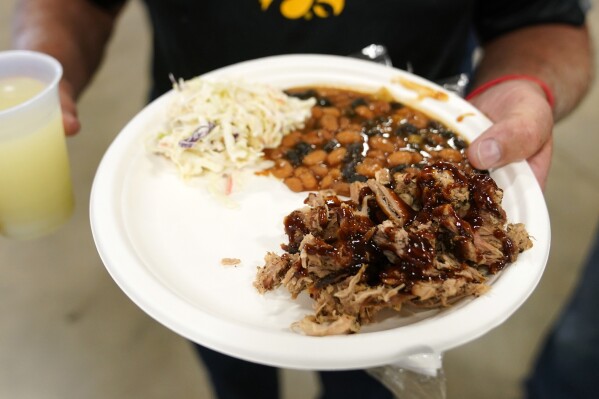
(73, 31)
(560, 55)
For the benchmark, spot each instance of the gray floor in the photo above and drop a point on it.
(67, 331)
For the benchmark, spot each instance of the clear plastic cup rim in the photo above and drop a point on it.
(48, 60)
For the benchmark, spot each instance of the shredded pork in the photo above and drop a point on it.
(422, 237)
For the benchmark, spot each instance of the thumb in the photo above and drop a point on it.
(509, 140)
(523, 125)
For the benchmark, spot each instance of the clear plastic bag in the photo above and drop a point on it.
(378, 53)
(374, 52)
(415, 377)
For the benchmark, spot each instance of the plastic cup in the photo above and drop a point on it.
(36, 195)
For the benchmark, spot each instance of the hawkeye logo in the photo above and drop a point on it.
(295, 9)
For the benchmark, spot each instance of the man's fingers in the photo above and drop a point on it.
(69, 110)
(71, 123)
(541, 162)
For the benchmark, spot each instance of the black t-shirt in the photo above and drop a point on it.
(434, 37)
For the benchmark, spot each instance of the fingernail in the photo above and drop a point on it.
(488, 153)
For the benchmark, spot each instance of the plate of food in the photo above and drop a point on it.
(316, 212)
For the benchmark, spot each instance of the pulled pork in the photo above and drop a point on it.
(422, 237)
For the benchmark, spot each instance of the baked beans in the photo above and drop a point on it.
(351, 135)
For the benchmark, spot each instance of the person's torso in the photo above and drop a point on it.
(196, 36)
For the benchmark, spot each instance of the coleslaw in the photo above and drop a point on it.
(218, 127)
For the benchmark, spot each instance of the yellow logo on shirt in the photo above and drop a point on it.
(295, 9)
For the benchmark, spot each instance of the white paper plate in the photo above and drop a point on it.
(162, 239)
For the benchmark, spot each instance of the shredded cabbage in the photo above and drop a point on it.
(222, 126)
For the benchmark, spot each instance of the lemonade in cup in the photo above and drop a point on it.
(36, 194)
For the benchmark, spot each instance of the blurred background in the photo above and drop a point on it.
(67, 330)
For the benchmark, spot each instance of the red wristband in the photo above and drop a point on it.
(501, 79)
